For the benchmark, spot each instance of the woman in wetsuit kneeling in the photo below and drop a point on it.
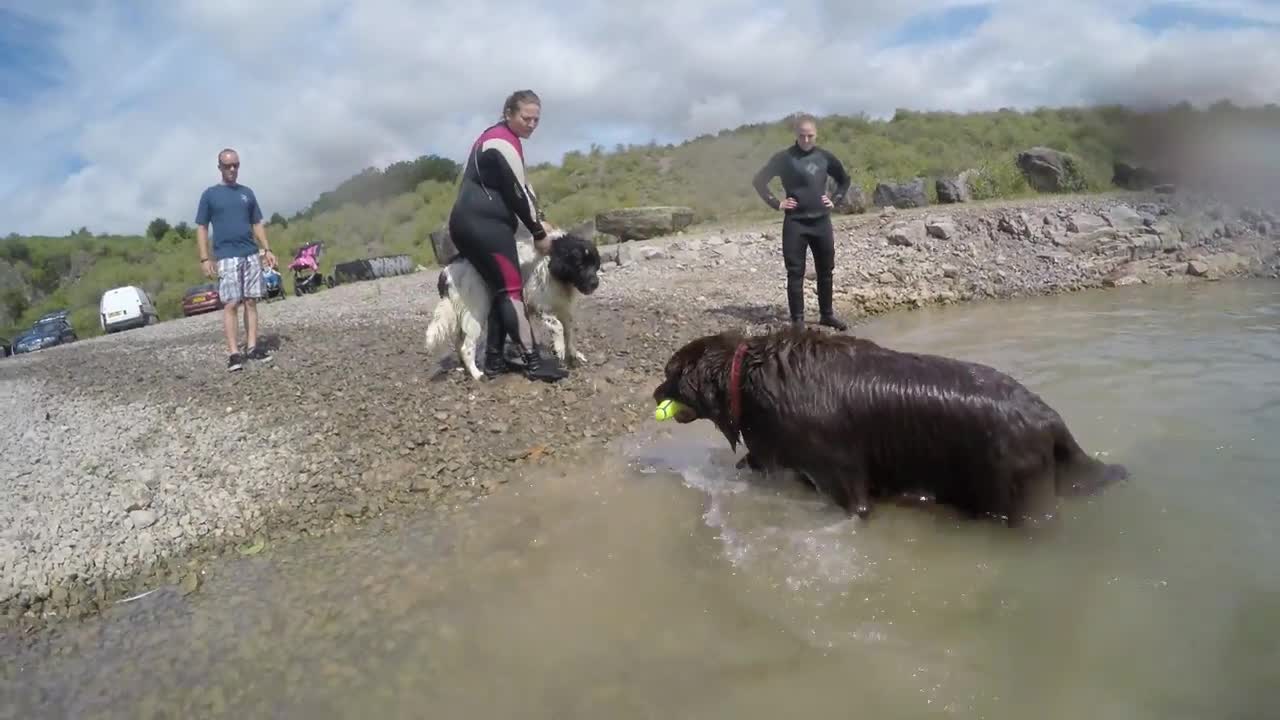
(494, 194)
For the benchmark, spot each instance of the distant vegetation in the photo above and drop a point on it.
(393, 210)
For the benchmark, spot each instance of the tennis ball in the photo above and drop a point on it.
(666, 410)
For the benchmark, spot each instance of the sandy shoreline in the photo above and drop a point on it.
(132, 461)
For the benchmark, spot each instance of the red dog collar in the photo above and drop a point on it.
(735, 383)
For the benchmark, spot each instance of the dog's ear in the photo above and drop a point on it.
(710, 380)
(582, 249)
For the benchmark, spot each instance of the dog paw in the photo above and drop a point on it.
(577, 359)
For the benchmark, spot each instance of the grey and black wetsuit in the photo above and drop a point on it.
(493, 196)
(804, 177)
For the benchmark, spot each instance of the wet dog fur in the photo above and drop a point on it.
(862, 422)
(553, 284)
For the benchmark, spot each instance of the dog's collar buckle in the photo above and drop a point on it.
(735, 383)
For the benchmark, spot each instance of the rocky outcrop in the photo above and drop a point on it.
(640, 223)
(1030, 246)
(1049, 170)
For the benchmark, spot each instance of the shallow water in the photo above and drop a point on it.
(660, 583)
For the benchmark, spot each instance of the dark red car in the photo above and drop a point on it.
(201, 299)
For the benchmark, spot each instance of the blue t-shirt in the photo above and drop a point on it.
(233, 210)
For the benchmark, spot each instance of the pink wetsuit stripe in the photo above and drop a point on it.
(501, 131)
(511, 283)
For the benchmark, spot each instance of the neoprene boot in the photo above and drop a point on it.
(495, 362)
(795, 301)
(826, 312)
(546, 368)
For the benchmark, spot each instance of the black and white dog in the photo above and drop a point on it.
(552, 285)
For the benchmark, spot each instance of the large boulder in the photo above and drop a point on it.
(951, 190)
(854, 202)
(901, 195)
(642, 223)
(442, 245)
(1049, 170)
(1134, 177)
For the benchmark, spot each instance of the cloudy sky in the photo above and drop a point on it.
(113, 111)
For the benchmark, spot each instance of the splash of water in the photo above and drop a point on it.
(769, 525)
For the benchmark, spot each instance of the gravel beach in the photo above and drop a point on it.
(134, 460)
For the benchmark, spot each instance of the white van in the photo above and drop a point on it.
(126, 307)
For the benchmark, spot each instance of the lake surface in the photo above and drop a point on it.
(660, 583)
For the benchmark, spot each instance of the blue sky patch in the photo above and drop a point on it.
(28, 64)
(73, 163)
(940, 26)
(1169, 16)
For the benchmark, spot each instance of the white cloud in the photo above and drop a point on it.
(311, 92)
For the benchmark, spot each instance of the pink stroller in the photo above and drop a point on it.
(306, 269)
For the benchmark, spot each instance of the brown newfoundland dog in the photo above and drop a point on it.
(860, 421)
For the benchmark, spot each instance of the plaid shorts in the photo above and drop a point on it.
(240, 278)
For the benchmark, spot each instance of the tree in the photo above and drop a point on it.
(16, 250)
(157, 228)
(13, 302)
(183, 230)
(374, 185)
(278, 219)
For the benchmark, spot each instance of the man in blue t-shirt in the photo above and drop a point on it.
(239, 251)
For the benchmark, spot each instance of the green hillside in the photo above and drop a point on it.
(393, 210)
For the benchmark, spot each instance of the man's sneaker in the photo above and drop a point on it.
(259, 354)
(234, 362)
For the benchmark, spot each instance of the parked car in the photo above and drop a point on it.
(45, 333)
(63, 314)
(201, 299)
(126, 307)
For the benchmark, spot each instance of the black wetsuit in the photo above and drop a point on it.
(807, 225)
(492, 197)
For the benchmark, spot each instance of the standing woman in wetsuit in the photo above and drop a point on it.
(494, 195)
(804, 168)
